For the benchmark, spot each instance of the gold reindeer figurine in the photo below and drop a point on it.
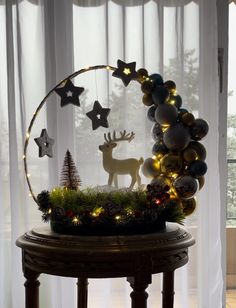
(117, 166)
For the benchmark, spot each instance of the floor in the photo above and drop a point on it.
(231, 298)
(119, 297)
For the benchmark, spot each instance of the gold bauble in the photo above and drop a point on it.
(142, 74)
(147, 87)
(199, 148)
(189, 155)
(171, 86)
(147, 100)
(151, 168)
(189, 206)
(187, 118)
(171, 163)
(201, 181)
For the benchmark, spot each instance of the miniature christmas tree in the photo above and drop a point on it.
(69, 175)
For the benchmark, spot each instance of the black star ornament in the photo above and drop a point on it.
(69, 94)
(125, 71)
(98, 115)
(45, 144)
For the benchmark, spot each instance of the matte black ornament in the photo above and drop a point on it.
(125, 71)
(45, 144)
(98, 115)
(69, 94)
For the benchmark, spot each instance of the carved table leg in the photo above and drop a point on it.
(31, 289)
(168, 290)
(82, 292)
(139, 295)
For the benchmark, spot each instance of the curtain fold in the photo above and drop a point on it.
(42, 43)
(209, 217)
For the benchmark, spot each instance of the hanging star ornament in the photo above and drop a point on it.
(69, 94)
(45, 144)
(98, 115)
(125, 71)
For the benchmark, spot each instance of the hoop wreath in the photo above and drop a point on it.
(176, 168)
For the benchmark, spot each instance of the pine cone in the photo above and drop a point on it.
(43, 201)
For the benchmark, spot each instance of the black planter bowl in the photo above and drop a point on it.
(108, 229)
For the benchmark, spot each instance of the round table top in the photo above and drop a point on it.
(43, 239)
(99, 256)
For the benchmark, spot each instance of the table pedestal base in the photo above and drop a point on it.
(31, 289)
(83, 257)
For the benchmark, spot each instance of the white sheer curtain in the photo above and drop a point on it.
(43, 41)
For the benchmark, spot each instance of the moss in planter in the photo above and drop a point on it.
(118, 212)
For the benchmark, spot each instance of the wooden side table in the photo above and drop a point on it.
(136, 257)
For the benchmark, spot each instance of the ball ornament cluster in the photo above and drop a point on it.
(178, 157)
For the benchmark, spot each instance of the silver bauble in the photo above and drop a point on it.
(176, 137)
(199, 129)
(186, 186)
(166, 114)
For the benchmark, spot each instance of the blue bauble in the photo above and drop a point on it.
(160, 94)
(157, 132)
(197, 168)
(151, 113)
(156, 79)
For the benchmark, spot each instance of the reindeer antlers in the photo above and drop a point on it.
(123, 136)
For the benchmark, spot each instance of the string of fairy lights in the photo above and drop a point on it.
(28, 132)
